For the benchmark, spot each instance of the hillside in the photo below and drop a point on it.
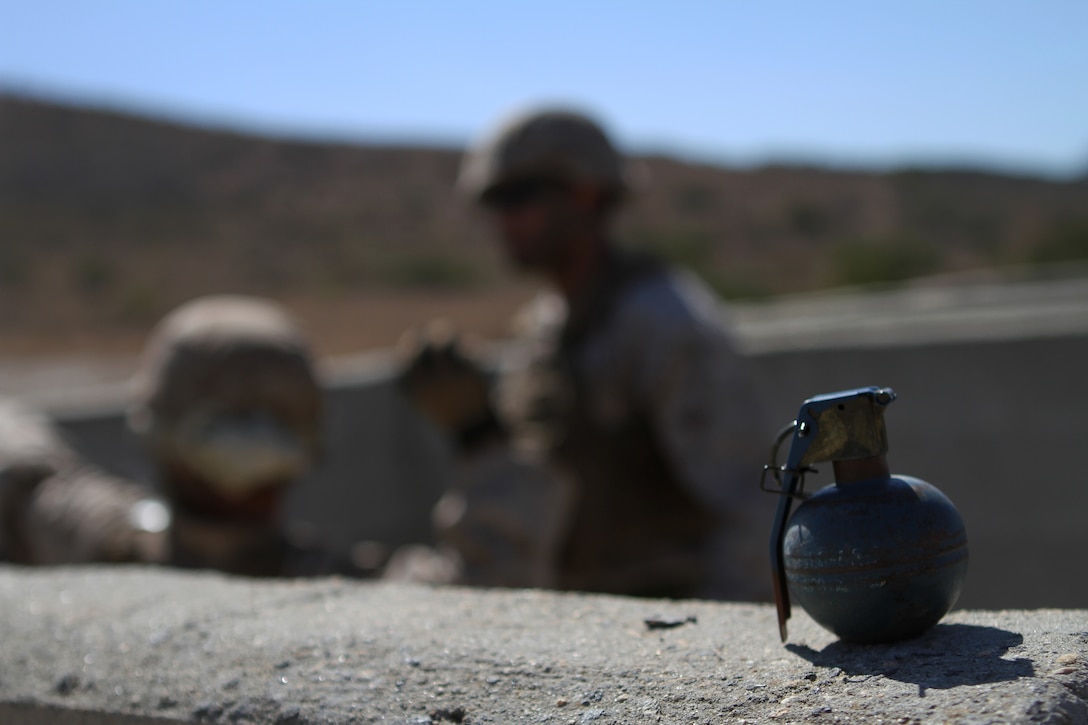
(108, 220)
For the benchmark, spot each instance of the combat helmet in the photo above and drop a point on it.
(556, 144)
(227, 391)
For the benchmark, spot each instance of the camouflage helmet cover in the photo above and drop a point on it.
(559, 144)
(223, 356)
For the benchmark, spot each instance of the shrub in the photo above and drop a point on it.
(808, 219)
(433, 271)
(140, 304)
(889, 259)
(694, 198)
(15, 269)
(739, 285)
(1063, 242)
(93, 274)
(692, 249)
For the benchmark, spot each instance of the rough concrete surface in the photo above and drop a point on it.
(135, 645)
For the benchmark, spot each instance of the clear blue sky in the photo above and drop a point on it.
(870, 82)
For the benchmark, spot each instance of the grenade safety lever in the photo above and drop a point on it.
(837, 426)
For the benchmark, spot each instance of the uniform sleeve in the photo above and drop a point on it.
(504, 517)
(704, 403)
(699, 392)
(83, 515)
(707, 414)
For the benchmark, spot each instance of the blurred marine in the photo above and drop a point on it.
(618, 448)
(229, 407)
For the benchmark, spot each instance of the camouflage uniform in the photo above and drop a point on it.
(624, 448)
(635, 414)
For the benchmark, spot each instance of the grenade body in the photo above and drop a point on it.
(876, 560)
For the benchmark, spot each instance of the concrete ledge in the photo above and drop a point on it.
(132, 645)
(927, 312)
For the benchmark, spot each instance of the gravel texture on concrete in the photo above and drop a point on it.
(89, 646)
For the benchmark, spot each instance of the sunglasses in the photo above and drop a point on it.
(516, 194)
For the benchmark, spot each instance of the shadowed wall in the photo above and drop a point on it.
(995, 424)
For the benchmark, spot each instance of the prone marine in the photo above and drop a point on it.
(229, 407)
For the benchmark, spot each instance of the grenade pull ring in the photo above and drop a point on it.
(837, 426)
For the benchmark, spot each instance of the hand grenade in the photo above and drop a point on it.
(872, 557)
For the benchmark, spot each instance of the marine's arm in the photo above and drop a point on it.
(504, 516)
(499, 524)
(704, 404)
(83, 515)
(56, 509)
(708, 416)
(699, 392)
(501, 521)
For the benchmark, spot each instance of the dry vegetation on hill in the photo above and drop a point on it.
(109, 220)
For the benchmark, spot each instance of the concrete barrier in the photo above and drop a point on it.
(131, 646)
(991, 384)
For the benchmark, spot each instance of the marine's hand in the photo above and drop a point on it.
(443, 382)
